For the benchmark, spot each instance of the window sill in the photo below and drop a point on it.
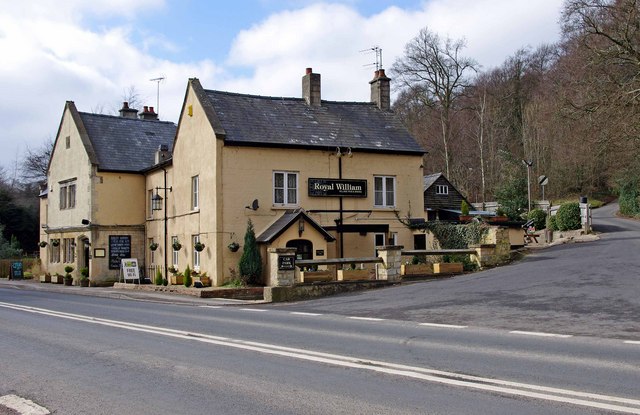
(284, 207)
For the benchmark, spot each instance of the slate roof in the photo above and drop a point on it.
(430, 179)
(126, 144)
(290, 122)
(287, 219)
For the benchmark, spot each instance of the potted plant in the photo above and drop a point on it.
(84, 277)
(43, 244)
(464, 210)
(233, 246)
(199, 246)
(176, 245)
(68, 279)
(417, 266)
(153, 246)
(205, 279)
(353, 274)
(55, 242)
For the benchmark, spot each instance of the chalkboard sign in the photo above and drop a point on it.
(286, 262)
(119, 248)
(16, 270)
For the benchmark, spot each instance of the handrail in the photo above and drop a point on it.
(338, 261)
(438, 252)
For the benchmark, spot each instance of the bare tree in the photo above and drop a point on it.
(437, 73)
(36, 161)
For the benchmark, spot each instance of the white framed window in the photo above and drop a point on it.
(55, 251)
(393, 238)
(285, 188)
(69, 247)
(68, 194)
(174, 254)
(195, 192)
(442, 189)
(196, 254)
(384, 191)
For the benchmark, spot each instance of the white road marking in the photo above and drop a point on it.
(210, 306)
(447, 326)
(22, 406)
(632, 342)
(541, 334)
(592, 400)
(259, 310)
(366, 318)
(300, 313)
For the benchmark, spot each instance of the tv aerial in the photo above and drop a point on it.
(378, 52)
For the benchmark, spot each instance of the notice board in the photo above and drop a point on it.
(119, 249)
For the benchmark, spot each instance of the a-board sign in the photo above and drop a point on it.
(286, 262)
(119, 248)
(337, 187)
(130, 269)
(16, 270)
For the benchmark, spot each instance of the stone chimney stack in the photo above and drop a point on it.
(381, 90)
(311, 88)
(162, 154)
(127, 112)
(148, 114)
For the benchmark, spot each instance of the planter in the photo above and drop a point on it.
(84, 282)
(206, 281)
(416, 269)
(316, 276)
(447, 268)
(45, 278)
(68, 282)
(199, 246)
(57, 279)
(176, 279)
(353, 274)
(233, 247)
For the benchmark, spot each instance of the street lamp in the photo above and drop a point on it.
(528, 163)
(156, 204)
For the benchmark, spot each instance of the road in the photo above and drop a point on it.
(404, 350)
(587, 289)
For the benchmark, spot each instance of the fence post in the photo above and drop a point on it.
(391, 262)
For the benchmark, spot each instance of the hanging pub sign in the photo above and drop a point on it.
(337, 188)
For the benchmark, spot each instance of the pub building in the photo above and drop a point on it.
(330, 179)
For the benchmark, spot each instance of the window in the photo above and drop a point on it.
(378, 241)
(196, 253)
(69, 247)
(285, 188)
(393, 238)
(55, 251)
(67, 142)
(384, 191)
(152, 255)
(68, 194)
(195, 192)
(174, 255)
(420, 241)
(442, 189)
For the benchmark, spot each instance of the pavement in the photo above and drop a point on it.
(142, 294)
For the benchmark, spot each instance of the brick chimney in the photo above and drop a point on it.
(162, 154)
(127, 112)
(381, 90)
(148, 114)
(311, 88)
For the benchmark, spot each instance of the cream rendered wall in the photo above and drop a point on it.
(119, 199)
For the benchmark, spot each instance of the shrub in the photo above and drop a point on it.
(187, 277)
(539, 218)
(629, 199)
(568, 217)
(159, 280)
(551, 223)
(68, 269)
(512, 196)
(250, 264)
(464, 208)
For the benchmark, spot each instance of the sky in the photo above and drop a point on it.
(93, 52)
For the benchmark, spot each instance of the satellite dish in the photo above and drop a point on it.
(254, 204)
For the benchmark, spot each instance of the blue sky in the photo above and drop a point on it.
(91, 52)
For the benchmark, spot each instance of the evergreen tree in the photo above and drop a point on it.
(250, 262)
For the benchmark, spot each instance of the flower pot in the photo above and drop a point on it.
(316, 276)
(68, 282)
(416, 269)
(447, 268)
(176, 279)
(233, 246)
(84, 282)
(353, 274)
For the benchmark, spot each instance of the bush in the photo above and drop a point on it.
(539, 218)
(629, 199)
(512, 197)
(467, 263)
(464, 208)
(551, 223)
(250, 264)
(568, 217)
(187, 277)
(159, 279)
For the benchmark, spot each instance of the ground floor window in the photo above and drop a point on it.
(174, 240)
(69, 247)
(420, 241)
(55, 251)
(196, 254)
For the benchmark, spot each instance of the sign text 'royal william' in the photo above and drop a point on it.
(337, 187)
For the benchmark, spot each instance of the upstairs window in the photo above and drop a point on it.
(442, 189)
(195, 192)
(384, 191)
(68, 194)
(285, 188)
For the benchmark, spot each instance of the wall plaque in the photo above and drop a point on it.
(286, 262)
(337, 187)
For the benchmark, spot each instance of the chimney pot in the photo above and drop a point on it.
(125, 105)
(309, 71)
(381, 73)
(151, 110)
(146, 109)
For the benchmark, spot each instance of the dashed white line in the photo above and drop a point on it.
(22, 406)
(367, 318)
(259, 310)
(210, 306)
(541, 334)
(300, 313)
(632, 342)
(446, 326)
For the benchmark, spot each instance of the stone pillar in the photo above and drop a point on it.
(391, 262)
(277, 277)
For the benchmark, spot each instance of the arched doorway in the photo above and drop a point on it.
(84, 252)
(304, 248)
